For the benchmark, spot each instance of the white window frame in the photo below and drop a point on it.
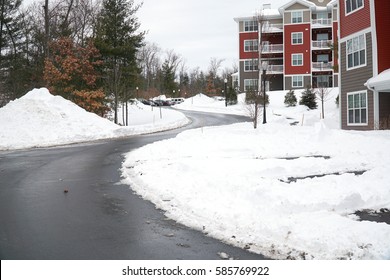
(355, 46)
(357, 107)
(253, 83)
(251, 65)
(251, 26)
(292, 59)
(299, 39)
(349, 3)
(298, 81)
(294, 16)
(253, 45)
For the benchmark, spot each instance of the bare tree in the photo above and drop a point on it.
(322, 94)
(150, 63)
(255, 97)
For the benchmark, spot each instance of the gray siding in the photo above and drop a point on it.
(353, 80)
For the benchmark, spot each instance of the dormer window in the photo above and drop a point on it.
(251, 26)
(296, 16)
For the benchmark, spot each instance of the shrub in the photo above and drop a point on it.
(290, 99)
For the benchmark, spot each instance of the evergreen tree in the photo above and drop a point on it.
(11, 55)
(232, 96)
(308, 99)
(168, 78)
(290, 99)
(118, 40)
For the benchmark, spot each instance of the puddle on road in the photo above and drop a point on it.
(379, 216)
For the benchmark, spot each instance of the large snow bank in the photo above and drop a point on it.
(39, 119)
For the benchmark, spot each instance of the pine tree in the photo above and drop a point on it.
(168, 78)
(308, 99)
(118, 40)
(11, 56)
(290, 99)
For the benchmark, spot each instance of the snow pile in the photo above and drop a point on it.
(39, 119)
(277, 112)
(283, 191)
(203, 103)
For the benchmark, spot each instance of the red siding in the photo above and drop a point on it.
(355, 21)
(247, 36)
(305, 49)
(382, 17)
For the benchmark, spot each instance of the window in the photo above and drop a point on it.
(353, 5)
(297, 17)
(251, 84)
(297, 81)
(356, 52)
(251, 26)
(251, 65)
(251, 46)
(357, 108)
(323, 58)
(322, 37)
(297, 59)
(297, 38)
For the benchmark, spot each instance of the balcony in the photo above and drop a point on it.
(322, 66)
(276, 48)
(321, 23)
(323, 44)
(272, 27)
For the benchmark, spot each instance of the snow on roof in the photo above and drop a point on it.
(380, 82)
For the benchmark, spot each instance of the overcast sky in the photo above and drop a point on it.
(198, 29)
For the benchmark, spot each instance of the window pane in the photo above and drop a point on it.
(357, 116)
(350, 61)
(362, 57)
(349, 46)
(350, 101)
(362, 42)
(353, 4)
(355, 44)
(360, 3)
(350, 116)
(355, 59)
(363, 100)
(364, 115)
(357, 100)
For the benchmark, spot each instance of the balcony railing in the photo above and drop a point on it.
(275, 48)
(321, 22)
(323, 44)
(322, 66)
(272, 27)
(275, 69)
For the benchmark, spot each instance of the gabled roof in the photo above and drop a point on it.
(302, 2)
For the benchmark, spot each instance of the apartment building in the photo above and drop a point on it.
(364, 64)
(293, 43)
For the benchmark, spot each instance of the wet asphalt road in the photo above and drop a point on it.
(98, 218)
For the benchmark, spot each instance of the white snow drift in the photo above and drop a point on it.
(39, 119)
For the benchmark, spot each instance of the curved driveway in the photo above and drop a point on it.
(98, 218)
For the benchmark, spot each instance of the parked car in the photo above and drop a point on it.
(177, 100)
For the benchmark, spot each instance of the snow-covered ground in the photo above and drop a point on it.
(39, 119)
(283, 191)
